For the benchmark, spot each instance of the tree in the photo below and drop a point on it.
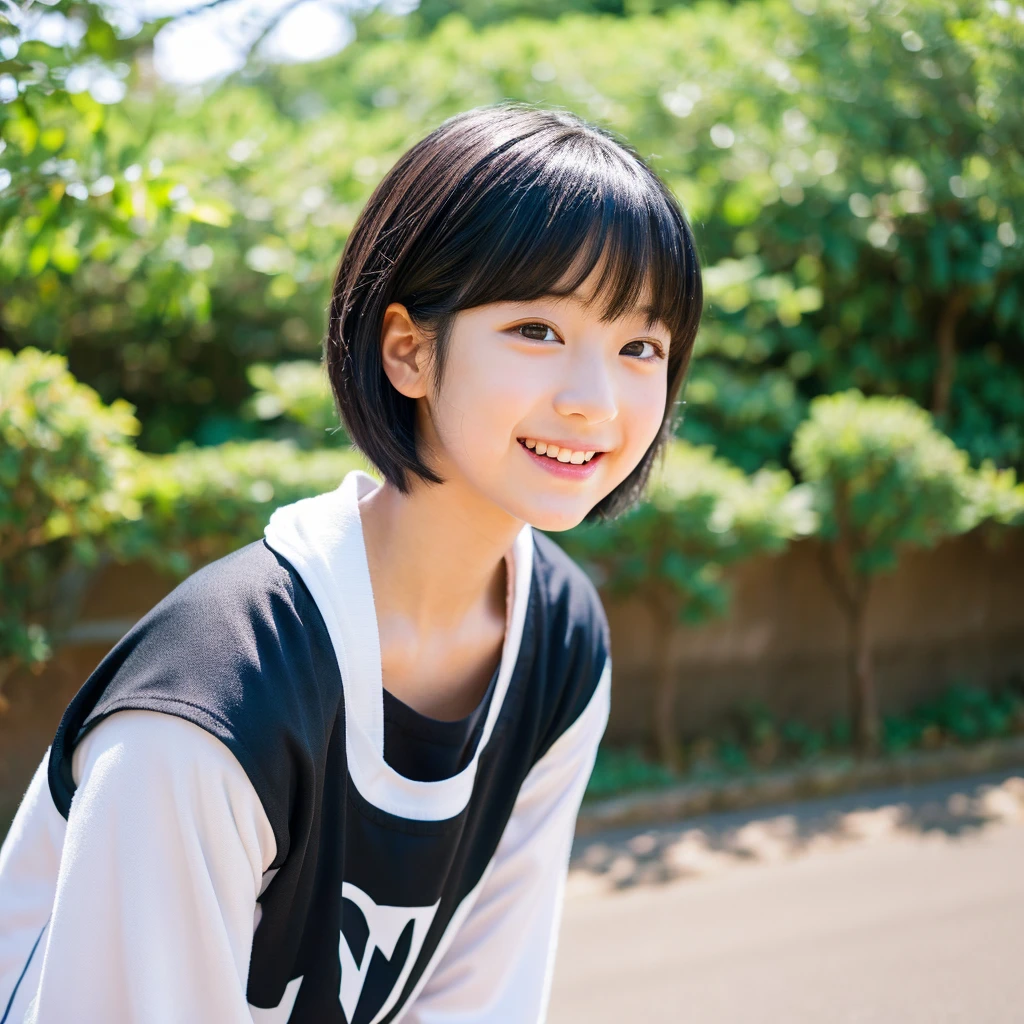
(854, 176)
(883, 479)
(131, 238)
(700, 515)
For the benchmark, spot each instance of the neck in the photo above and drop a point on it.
(435, 554)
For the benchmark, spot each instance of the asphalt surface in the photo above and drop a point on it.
(896, 907)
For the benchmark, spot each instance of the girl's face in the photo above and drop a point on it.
(546, 373)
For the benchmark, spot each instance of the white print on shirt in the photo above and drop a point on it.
(281, 1013)
(381, 928)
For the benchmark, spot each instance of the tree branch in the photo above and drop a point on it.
(835, 579)
(945, 337)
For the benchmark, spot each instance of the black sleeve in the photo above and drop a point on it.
(578, 643)
(241, 650)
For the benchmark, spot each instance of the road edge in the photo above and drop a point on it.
(803, 783)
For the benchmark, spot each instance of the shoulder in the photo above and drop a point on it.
(575, 639)
(239, 649)
(238, 633)
(250, 590)
(570, 597)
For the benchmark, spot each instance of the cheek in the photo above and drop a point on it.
(643, 405)
(487, 393)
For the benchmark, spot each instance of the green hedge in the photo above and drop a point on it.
(65, 462)
(201, 503)
(75, 494)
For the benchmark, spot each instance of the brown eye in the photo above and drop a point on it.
(656, 353)
(541, 328)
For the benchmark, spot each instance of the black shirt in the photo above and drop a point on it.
(429, 749)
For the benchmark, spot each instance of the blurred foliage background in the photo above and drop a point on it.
(853, 169)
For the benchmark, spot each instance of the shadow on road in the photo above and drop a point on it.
(713, 843)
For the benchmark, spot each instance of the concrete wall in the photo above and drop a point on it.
(954, 612)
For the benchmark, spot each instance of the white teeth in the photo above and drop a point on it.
(552, 451)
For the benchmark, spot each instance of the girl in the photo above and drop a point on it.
(334, 775)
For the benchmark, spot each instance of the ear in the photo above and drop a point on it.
(405, 352)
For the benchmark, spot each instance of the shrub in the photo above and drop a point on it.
(201, 503)
(965, 713)
(618, 770)
(75, 494)
(296, 398)
(64, 463)
(962, 714)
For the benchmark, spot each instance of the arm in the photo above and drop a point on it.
(499, 965)
(162, 862)
(29, 859)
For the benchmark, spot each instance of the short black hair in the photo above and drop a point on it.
(498, 204)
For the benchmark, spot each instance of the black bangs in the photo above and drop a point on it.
(498, 204)
(539, 221)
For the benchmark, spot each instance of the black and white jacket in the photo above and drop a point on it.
(215, 835)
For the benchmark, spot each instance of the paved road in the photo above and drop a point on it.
(899, 907)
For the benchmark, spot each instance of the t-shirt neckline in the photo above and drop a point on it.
(322, 537)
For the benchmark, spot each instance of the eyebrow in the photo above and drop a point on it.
(650, 313)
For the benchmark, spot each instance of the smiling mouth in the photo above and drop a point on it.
(563, 456)
(562, 466)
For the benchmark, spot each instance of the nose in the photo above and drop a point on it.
(587, 389)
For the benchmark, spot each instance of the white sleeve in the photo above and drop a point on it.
(162, 863)
(29, 861)
(499, 965)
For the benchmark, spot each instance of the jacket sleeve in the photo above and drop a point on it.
(499, 965)
(29, 859)
(162, 864)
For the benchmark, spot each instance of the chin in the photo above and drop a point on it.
(554, 520)
(559, 527)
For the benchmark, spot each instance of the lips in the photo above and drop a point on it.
(575, 453)
(570, 470)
